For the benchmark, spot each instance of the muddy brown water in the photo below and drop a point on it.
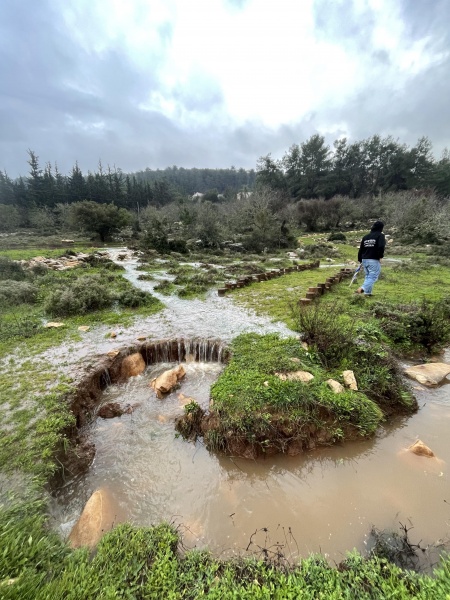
(325, 500)
(328, 498)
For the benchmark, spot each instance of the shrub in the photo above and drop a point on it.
(133, 298)
(17, 292)
(21, 327)
(164, 286)
(319, 250)
(88, 293)
(425, 324)
(105, 263)
(337, 236)
(11, 269)
(39, 269)
(330, 336)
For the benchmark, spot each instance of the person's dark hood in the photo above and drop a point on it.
(377, 226)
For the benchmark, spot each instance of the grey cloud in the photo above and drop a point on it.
(68, 104)
(424, 18)
(338, 20)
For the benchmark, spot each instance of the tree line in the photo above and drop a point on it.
(311, 187)
(368, 167)
(48, 189)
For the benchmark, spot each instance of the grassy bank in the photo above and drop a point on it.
(146, 563)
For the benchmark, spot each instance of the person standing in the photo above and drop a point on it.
(371, 251)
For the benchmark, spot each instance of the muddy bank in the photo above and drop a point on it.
(284, 435)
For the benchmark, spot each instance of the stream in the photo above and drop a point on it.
(325, 500)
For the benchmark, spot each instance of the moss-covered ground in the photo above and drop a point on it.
(140, 563)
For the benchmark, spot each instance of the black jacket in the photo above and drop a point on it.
(372, 246)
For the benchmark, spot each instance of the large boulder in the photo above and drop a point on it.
(132, 365)
(165, 382)
(99, 515)
(429, 374)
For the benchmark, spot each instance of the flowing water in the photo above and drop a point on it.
(325, 500)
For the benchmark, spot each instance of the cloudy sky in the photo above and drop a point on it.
(215, 83)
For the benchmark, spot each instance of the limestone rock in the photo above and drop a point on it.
(335, 386)
(429, 374)
(350, 380)
(53, 324)
(99, 515)
(113, 334)
(132, 365)
(303, 376)
(113, 353)
(165, 382)
(141, 338)
(421, 449)
(83, 328)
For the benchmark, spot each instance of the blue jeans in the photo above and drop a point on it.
(372, 270)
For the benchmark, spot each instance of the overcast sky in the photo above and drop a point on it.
(215, 83)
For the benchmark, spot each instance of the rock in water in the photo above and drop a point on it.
(421, 449)
(111, 410)
(99, 515)
(429, 374)
(165, 382)
(132, 365)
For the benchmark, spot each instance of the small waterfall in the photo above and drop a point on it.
(185, 350)
(105, 379)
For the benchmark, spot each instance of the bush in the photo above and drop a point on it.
(17, 292)
(19, 327)
(319, 327)
(86, 294)
(134, 298)
(424, 325)
(94, 260)
(11, 269)
(319, 250)
(337, 236)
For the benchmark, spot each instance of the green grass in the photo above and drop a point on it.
(276, 297)
(146, 564)
(28, 253)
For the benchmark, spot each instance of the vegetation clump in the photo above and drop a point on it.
(337, 236)
(262, 404)
(149, 563)
(14, 292)
(11, 269)
(85, 294)
(416, 326)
